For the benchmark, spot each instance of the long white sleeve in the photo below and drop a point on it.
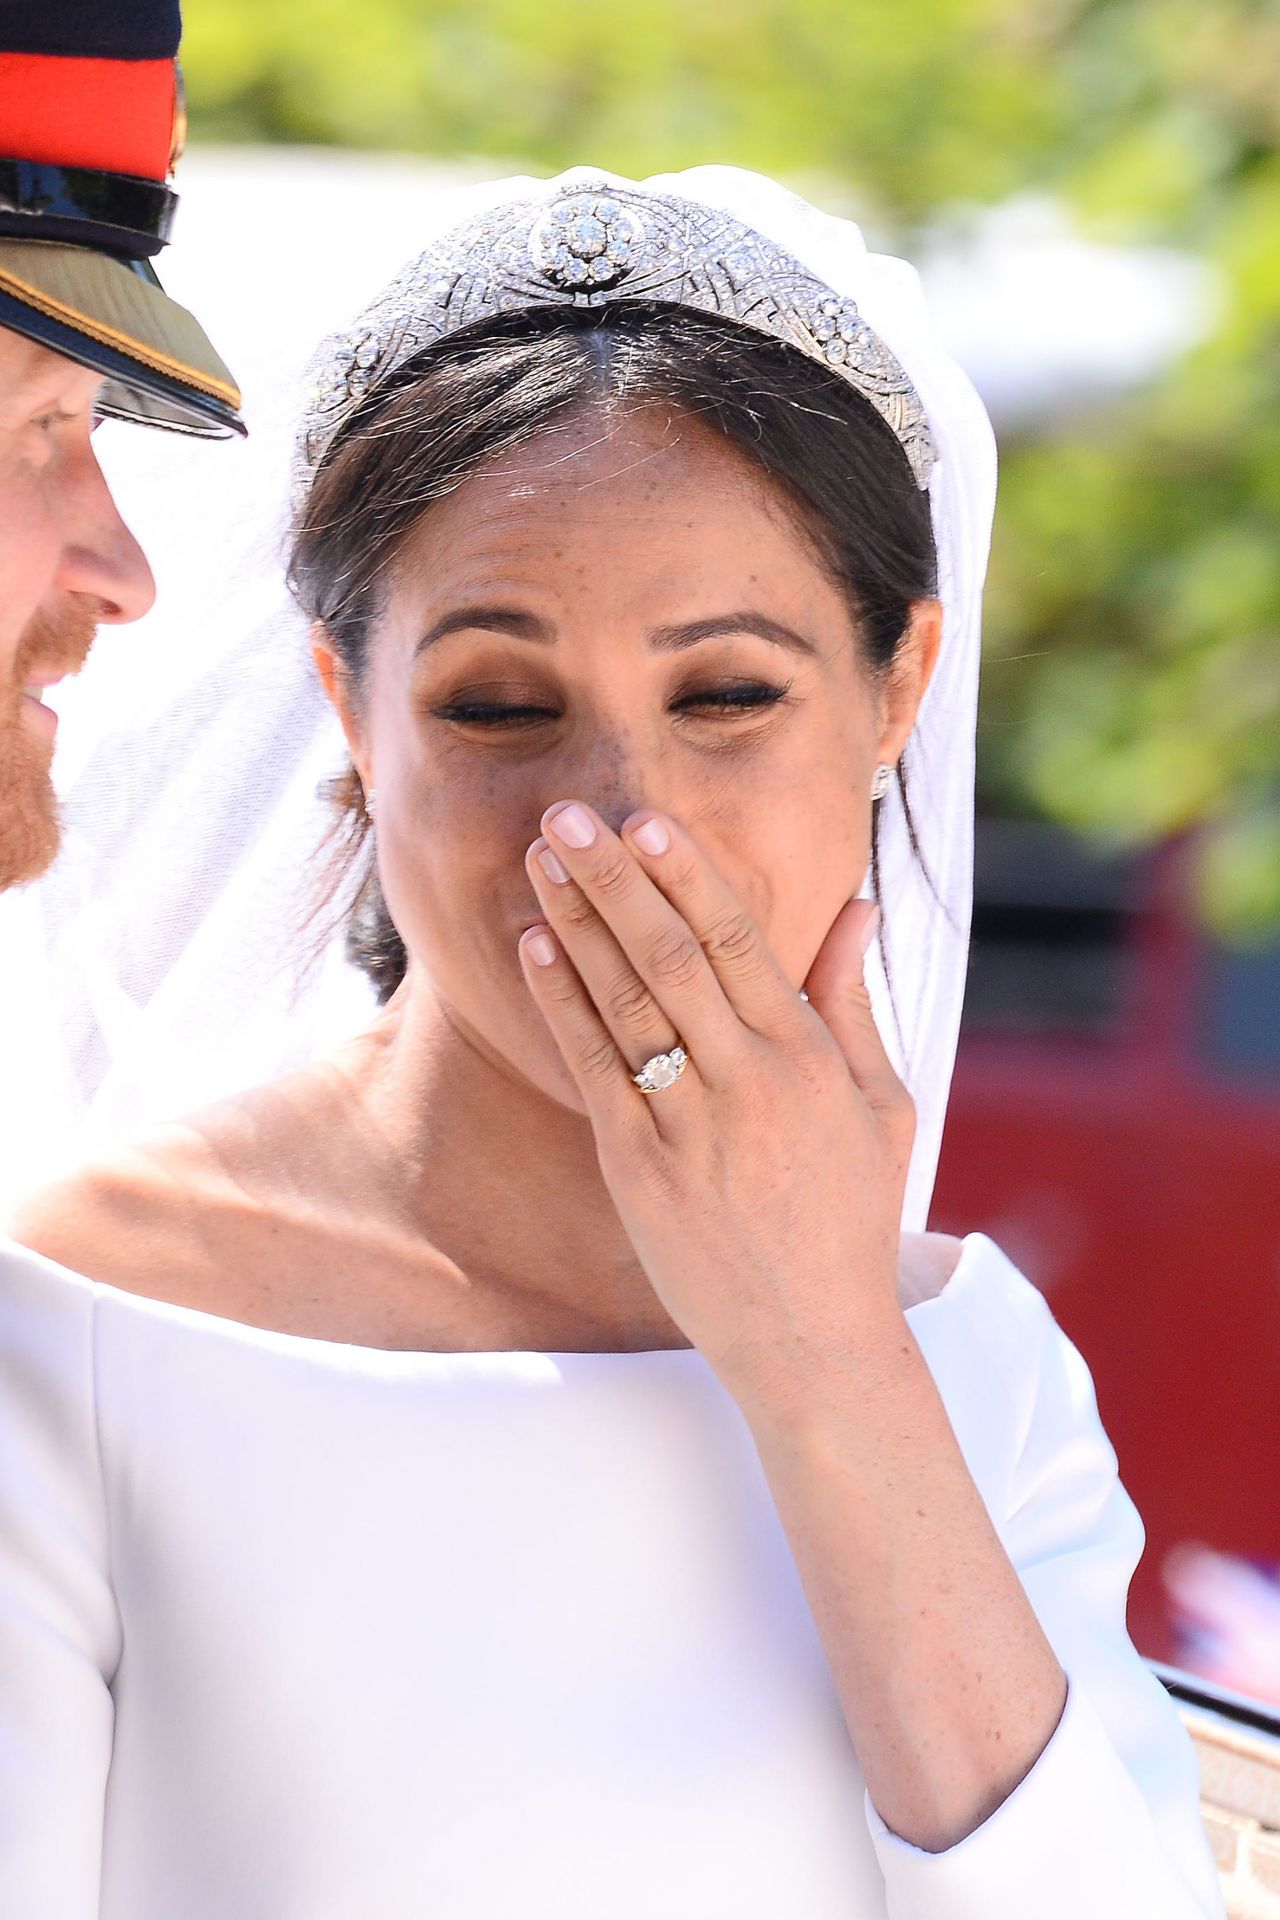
(59, 1630)
(1107, 1823)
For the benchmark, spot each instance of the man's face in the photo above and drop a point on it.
(67, 563)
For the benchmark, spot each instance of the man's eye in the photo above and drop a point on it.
(47, 424)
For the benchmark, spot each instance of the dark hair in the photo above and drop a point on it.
(496, 387)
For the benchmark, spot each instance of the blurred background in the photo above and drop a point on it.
(1092, 193)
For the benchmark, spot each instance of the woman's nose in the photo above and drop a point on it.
(621, 774)
(624, 759)
(100, 557)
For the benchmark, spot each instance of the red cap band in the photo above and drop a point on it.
(113, 115)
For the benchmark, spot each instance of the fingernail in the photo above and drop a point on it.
(868, 933)
(651, 837)
(540, 948)
(552, 866)
(573, 825)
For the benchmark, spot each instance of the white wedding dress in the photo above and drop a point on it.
(295, 1630)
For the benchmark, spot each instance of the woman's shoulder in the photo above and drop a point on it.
(255, 1210)
(157, 1217)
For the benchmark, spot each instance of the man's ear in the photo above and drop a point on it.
(908, 678)
(336, 681)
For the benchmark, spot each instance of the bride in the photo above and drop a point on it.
(527, 1459)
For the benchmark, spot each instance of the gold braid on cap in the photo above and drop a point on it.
(595, 245)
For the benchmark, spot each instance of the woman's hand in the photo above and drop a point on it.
(763, 1191)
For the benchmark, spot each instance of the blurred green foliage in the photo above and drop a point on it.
(1133, 682)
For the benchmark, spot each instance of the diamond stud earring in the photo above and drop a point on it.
(880, 784)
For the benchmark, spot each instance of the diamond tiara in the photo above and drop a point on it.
(596, 245)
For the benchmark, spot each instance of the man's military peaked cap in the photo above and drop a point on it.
(91, 124)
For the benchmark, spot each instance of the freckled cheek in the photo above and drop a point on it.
(451, 855)
(795, 862)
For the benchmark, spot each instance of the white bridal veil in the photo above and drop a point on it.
(157, 966)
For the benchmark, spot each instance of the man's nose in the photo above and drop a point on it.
(100, 557)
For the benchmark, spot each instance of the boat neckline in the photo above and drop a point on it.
(976, 1250)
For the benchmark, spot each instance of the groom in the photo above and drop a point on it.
(91, 124)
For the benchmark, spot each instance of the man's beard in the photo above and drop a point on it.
(29, 823)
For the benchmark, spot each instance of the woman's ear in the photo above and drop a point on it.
(336, 681)
(908, 678)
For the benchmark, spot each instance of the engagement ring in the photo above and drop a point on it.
(662, 1070)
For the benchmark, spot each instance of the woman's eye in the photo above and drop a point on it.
(742, 694)
(738, 697)
(490, 713)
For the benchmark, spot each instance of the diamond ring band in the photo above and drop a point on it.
(661, 1070)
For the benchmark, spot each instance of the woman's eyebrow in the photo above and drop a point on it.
(669, 639)
(510, 620)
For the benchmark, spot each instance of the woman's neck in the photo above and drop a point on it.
(495, 1174)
